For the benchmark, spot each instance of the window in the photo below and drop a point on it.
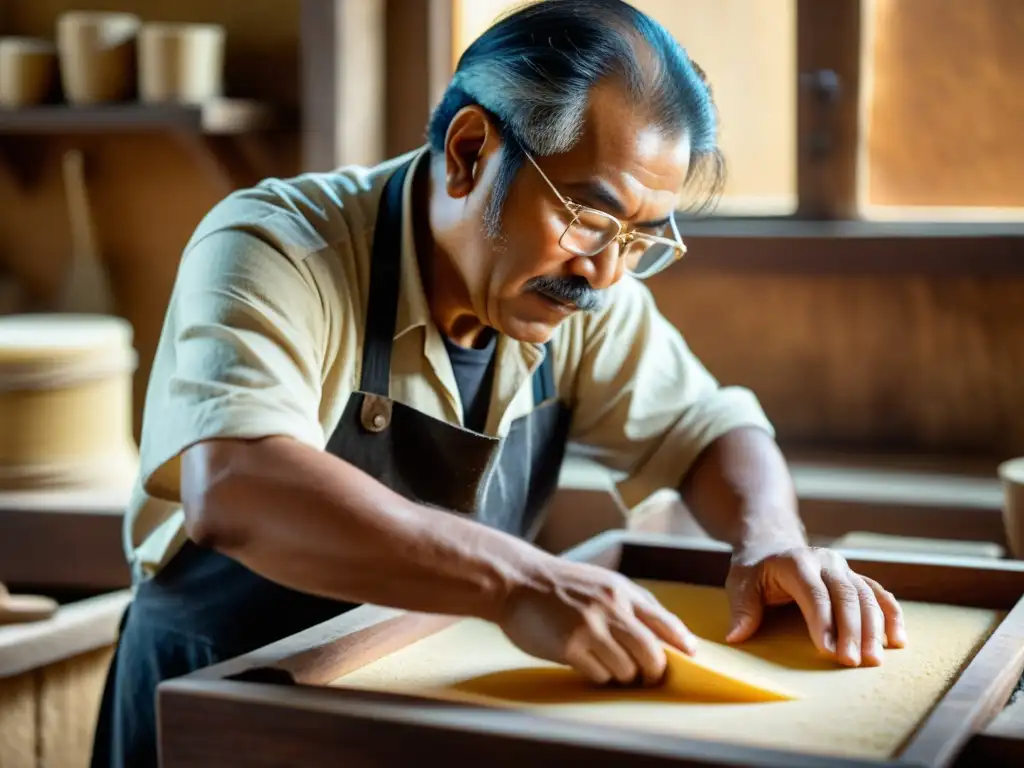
(758, 123)
(925, 125)
(942, 100)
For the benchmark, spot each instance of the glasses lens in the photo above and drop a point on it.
(650, 260)
(590, 232)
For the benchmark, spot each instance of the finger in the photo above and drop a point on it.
(584, 662)
(747, 610)
(666, 625)
(803, 582)
(644, 647)
(614, 658)
(895, 629)
(607, 651)
(846, 615)
(872, 623)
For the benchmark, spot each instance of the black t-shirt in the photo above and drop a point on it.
(474, 374)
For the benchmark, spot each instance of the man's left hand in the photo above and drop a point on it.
(850, 617)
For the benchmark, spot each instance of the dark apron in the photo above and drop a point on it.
(204, 607)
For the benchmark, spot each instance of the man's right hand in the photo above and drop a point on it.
(594, 620)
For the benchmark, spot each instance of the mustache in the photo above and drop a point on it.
(572, 290)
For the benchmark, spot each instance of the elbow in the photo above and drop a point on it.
(201, 520)
(209, 475)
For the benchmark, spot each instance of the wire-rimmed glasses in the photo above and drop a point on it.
(590, 231)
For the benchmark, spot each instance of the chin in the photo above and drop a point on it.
(529, 331)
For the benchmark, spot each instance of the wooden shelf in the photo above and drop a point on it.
(787, 245)
(226, 137)
(225, 117)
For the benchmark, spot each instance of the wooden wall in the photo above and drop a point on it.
(910, 364)
(902, 364)
(147, 192)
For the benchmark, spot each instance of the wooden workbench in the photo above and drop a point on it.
(288, 703)
(51, 679)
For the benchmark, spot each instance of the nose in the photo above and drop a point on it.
(602, 270)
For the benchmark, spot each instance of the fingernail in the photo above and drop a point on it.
(830, 643)
(877, 651)
(852, 652)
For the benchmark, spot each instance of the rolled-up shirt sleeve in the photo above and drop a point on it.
(644, 405)
(240, 355)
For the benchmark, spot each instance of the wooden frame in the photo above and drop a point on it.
(273, 701)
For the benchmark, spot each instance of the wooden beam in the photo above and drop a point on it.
(343, 82)
(828, 94)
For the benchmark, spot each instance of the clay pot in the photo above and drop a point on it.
(97, 56)
(181, 63)
(1012, 474)
(28, 71)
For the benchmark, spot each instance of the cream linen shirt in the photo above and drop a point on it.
(263, 337)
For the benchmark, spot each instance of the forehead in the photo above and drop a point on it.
(622, 146)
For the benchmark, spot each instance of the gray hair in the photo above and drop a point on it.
(534, 69)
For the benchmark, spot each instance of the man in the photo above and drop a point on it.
(367, 379)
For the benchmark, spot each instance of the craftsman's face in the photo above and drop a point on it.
(520, 280)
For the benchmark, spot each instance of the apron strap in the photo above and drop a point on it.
(544, 378)
(385, 273)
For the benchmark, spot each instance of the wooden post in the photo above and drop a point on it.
(419, 66)
(828, 68)
(343, 82)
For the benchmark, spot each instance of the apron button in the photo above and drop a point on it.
(375, 413)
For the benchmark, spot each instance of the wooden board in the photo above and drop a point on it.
(279, 701)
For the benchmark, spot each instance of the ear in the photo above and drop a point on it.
(470, 140)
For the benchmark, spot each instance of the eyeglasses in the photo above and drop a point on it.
(590, 231)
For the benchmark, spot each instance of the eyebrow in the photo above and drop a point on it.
(597, 194)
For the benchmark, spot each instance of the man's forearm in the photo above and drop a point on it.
(312, 522)
(741, 492)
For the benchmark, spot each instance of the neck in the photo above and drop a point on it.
(435, 234)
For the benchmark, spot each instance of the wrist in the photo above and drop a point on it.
(767, 531)
(521, 569)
